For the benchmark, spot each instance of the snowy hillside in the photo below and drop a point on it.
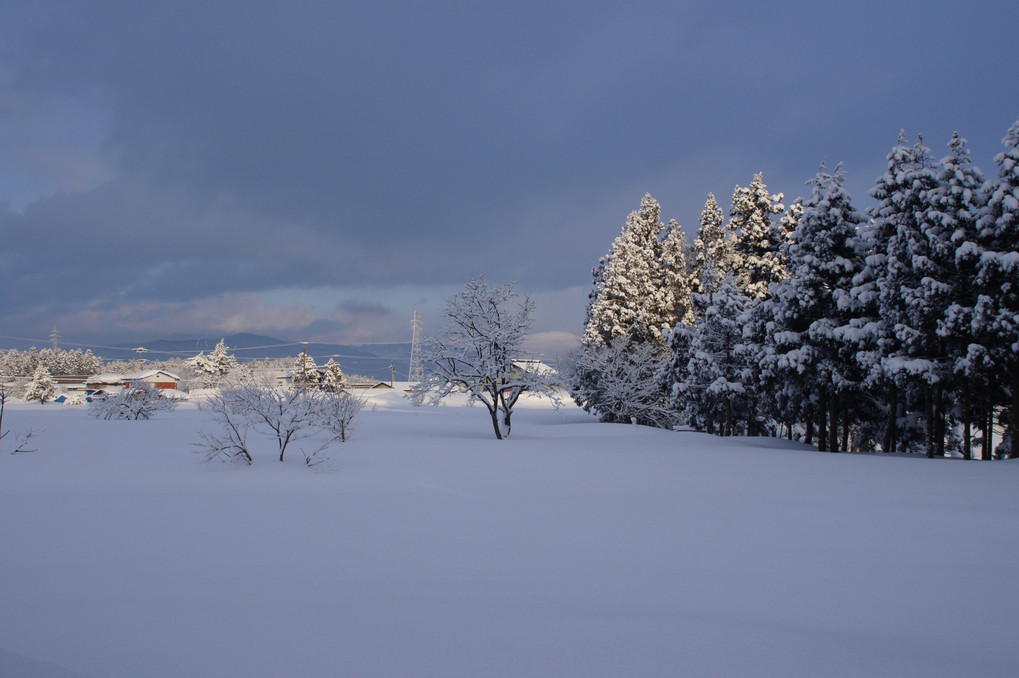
(425, 547)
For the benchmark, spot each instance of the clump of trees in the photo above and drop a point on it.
(17, 363)
(212, 369)
(285, 414)
(896, 330)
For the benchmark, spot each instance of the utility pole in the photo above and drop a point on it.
(141, 354)
(304, 377)
(55, 338)
(392, 374)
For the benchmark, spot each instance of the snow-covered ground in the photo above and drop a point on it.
(425, 547)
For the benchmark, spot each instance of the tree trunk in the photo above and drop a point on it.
(928, 407)
(939, 420)
(987, 425)
(494, 411)
(888, 444)
(967, 433)
(833, 423)
(809, 437)
(822, 419)
(1014, 447)
(845, 429)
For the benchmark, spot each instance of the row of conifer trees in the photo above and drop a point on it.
(894, 330)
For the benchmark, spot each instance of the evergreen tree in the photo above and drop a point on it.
(200, 364)
(875, 294)
(912, 290)
(631, 299)
(333, 379)
(713, 388)
(997, 312)
(807, 364)
(305, 371)
(676, 276)
(32, 361)
(90, 363)
(957, 203)
(220, 363)
(42, 387)
(641, 290)
(713, 255)
(758, 264)
(758, 236)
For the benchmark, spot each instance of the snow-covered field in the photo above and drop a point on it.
(425, 547)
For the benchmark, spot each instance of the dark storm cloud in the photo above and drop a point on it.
(232, 147)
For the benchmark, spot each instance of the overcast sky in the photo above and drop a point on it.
(319, 170)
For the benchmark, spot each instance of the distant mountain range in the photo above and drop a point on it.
(369, 360)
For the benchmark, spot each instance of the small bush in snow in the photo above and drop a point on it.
(135, 402)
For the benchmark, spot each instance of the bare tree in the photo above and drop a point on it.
(5, 393)
(289, 414)
(338, 414)
(627, 388)
(230, 444)
(479, 350)
(22, 438)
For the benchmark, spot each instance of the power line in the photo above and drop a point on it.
(232, 349)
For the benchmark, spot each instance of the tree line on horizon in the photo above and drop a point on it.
(896, 330)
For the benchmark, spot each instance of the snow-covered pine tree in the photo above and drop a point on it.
(91, 363)
(957, 203)
(997, 314)
(713, 255)
(53, 360)
(42, 387)
(676, 275)
(333, 379)
(305, 371)
(641, 289)
(912, 292)
(712, 260)
(200, 364)
(631, 298)
(805, 362)
(758, 264)
(757, 237)
(874, 333)
(220, 362)
(32, 361)
(713, 390)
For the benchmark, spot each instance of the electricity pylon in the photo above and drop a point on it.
(417, 370)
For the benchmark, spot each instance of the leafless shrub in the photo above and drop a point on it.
(338, 414)
(135, 402)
